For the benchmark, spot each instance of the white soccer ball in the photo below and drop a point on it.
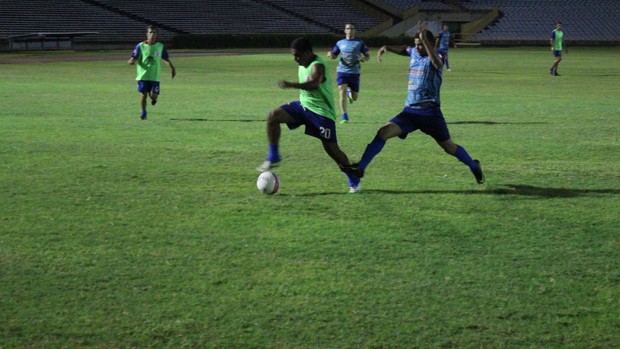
(268, 183)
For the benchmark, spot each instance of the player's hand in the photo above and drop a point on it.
(380, 53)
(330, 54)
(282, 84)
(174, 73)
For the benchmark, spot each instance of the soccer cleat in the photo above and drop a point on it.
(153, 101)
(556, 74)
(478, 173)
(267, 165)
(345, 119)
(356, 188)
(143, 115)
(551, 71)
(449, 69)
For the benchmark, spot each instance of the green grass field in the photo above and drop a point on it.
(121, 233)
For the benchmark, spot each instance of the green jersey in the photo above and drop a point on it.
(321, 100)
(556, 38)
(148, 60)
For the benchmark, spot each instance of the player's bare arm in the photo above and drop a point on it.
(399, 50)
(315, 79)
(435, 59)
(172, 69)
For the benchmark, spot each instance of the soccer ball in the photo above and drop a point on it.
(268, 183)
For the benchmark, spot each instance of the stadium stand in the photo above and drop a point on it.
(584, 20)
(524, 21)
(18, 17)
(219, 16)
(333, 13)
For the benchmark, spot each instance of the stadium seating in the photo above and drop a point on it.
(18, 17)
(120, 20)
(584, 20)
(218, 16)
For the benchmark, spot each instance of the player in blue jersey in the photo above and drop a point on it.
(352, 52)
(422, 108)
(315, 110)
(442, 44)
(556, 40)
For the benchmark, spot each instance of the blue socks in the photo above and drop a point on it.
(463, 157)
(353, 181)
(372, 149)
(274, 155)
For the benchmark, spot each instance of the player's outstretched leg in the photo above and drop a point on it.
(274, 119)
(461, 154)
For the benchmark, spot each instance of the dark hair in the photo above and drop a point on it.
(152, 27)
(429, 36)
(301, 44)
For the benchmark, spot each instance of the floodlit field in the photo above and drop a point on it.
(122, 233)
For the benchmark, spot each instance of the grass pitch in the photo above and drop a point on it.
(121, 233)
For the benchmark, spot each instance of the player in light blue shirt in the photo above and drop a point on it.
(422, 109)
(442, 44)
(352, 52)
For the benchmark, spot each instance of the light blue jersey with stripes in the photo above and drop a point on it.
(424, 80)
(350, 52)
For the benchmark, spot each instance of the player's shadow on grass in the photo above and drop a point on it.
(507, 190)
(495, 123)
(511, 190)
(367, 122)
(218, 120)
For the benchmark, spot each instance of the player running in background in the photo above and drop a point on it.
(147, 57)
(442, 44)
(352, 52)
(422, 108)
(315, 109)
(556, 40)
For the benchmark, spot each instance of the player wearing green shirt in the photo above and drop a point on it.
(314, 109)
(556, 40)
(147, 57)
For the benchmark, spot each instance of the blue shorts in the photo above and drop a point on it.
(443, 52)
(351, 80)
(428, 120)
(317, 125)
(557, 53)
(145, 86)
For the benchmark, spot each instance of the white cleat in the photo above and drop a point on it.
(267, 166)
(355, 189)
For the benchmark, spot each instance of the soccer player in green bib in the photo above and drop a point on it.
(556, 40)
(147, 57)
(315, 109)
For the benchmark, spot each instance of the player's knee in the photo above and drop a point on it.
(272, 117)
(449, 147)
(384, 133)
